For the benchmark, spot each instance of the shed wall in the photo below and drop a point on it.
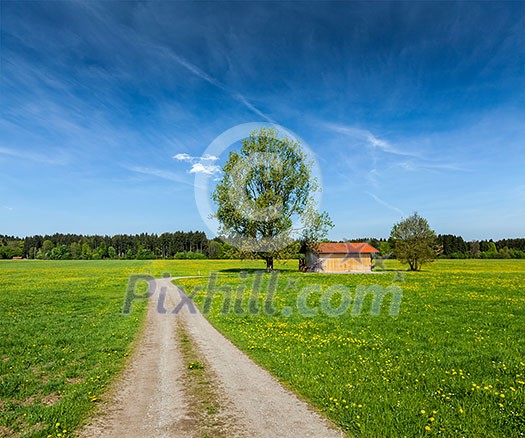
(339, 262)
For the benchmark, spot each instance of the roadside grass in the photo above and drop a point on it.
(451, 363)
(62, 341)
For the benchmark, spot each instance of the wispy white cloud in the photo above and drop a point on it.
(59, 159)
(189, 158)
(183, 157)
(385, 204)
(413, 166)
(382, 154)
(370, 139)
(196, 70)
(7, 208)
(208, 169)
(200, 164)
(238, 96)
(211, 80)
(160, 173)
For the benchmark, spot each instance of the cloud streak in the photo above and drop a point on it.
(160, 173)
(191, 159)
(370, 139)
(413, 166)
(384, 155)
(31, 156)
(386, 204)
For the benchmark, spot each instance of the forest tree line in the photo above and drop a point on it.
(192, 244)
(195, 245)
(455, 247)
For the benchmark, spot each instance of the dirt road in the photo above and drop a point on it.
(187, 380)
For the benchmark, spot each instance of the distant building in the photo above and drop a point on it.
(339, 257)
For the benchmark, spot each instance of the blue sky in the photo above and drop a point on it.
(408, 107)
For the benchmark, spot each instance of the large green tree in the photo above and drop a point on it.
(266, 189)
(414, 242)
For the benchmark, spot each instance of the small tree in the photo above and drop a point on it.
(85, 253)
(112, 253)
(214, 249)
(475, 252)
(47, 246)
(75, 250)
(384, 249)
(264, 188)
(414, 242)
(102, 250)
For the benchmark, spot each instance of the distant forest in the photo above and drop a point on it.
(195, 245)
(455, 247)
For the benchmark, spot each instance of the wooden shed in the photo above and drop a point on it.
(339, 257)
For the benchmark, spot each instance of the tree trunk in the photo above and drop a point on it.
(414, 265)
(269, 264)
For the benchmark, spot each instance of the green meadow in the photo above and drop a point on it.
(63, 337)
(450, 363)
(62, 341)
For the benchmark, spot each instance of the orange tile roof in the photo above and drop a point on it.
(345, 248)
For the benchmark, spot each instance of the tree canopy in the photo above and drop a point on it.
(414, 242)
(265, 190)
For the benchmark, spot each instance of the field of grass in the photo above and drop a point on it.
(62, 341)
(451, 363)
(63, 337)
